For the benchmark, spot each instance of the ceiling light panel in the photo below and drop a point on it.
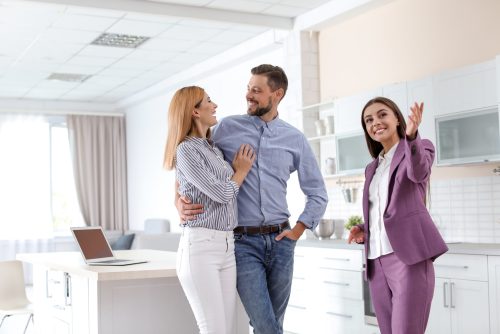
(68, 77)
(119, 40)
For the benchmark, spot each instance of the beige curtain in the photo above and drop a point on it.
(99, 164)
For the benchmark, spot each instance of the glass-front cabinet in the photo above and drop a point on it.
(470, 137)
(352, 153)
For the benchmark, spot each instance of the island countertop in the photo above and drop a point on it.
(160, 264)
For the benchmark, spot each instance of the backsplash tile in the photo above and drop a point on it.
(465, 209)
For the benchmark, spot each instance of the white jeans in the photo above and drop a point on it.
(206, 268)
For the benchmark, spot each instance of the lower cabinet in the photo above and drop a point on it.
(327, 292)
(494, 290)
(460, 304)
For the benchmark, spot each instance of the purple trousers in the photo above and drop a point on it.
(401, 294)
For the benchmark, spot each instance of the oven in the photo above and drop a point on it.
(370, 317)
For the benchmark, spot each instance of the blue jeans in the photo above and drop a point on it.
(264, 269)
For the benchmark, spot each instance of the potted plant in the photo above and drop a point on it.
(351, 222)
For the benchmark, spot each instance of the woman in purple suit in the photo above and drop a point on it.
(400, 238)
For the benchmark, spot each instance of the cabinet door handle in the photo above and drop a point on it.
(337, 259)
(452, 266)
(339, 315)
(67, 290)
(452, 287)
(445, 286)
(297, 306)
(336, 283)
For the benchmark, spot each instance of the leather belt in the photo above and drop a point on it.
(263, 229)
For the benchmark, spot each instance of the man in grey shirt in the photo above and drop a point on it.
(264, 241)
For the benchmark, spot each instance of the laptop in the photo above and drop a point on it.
(95, 248)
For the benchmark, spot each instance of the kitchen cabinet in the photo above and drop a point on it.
(421, 91)
(460, 303)
(468, 88)
(347, 111)
(352, 153)
(494, 293)
(398, 93)
(468, 137)
(327, 293)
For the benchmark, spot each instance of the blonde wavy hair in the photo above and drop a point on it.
(180, 120)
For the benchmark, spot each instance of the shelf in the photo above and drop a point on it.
(318, 138)
(318, 106)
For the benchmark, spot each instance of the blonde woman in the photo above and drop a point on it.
(205, 260)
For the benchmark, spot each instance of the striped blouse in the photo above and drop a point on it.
(205, 177)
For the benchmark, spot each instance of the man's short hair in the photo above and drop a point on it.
(276, 77)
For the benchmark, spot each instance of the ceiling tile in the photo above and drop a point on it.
(84, 22)
(181, 32)
(76, 69)
(310, 4)
(90, 61)
(152, 18)
(95, 12)
(58, 35)
(135, 64)
(210, 48)
(138, 28)
(166, 44)
(197, 23)
(232, 37)
(105, 51)
(188, 58)
(147, 55)
(44, 94)
(240, 5)
(56, 85)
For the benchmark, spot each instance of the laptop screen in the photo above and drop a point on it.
(93, 243)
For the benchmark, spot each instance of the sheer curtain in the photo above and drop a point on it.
(25, 210)
(99, 163)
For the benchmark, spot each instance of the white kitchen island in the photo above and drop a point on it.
(72, 297)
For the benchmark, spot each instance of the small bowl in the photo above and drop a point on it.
(325, 229)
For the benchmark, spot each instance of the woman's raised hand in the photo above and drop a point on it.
(414, 120)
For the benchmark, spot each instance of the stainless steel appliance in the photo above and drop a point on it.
(370, 317)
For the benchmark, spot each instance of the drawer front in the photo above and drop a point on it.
(343, 259)
(339, 283)
(462, 266)
(342, 316)
(295, 320)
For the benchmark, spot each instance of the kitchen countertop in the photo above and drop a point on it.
(454, 248)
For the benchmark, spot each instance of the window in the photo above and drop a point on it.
(37, 193)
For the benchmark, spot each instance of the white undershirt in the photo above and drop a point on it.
(378, 192)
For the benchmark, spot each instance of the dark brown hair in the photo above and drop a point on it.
(276, 77)
(374, 146)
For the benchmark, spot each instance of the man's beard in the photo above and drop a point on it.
(262, 110)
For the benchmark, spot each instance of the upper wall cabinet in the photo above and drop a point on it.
(398, 94)
(421, 91)
(468, 88)
(347, 111)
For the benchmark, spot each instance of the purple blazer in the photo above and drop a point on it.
(409, 226)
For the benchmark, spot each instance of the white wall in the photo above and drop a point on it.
(150, 187)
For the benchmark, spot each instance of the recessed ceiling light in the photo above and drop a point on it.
(68, 77)
(120, 41)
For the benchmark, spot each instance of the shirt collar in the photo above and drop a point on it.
(259, 123)
(388, 156)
